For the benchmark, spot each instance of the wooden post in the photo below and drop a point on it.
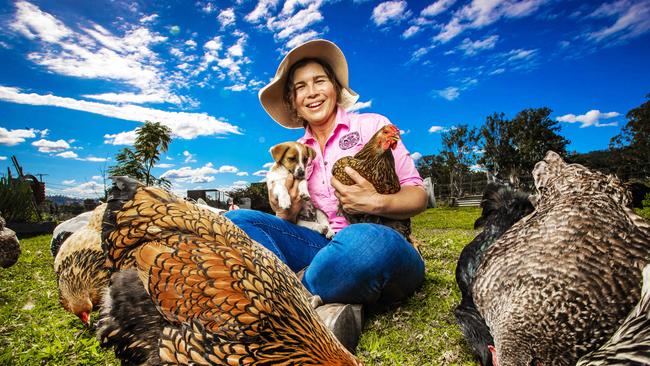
(429, 187)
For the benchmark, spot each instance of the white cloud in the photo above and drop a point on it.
(71, 181)
(239, 183)
(95, 159)
(68, 155)
(184, 125)
(411, 31)
(149, 18)
(416, 156)
(132, 97)
(14, 137)
(47, 146)
(187, 174)
(632, 20)
(242, 174)
(260, 173)
(520, 54)
(420, 52)
(498, 71)
(93, 52)
(591, 118)
(121, 138)
(97, 177)
(434, 129)
(190, 43)
(163, 166)
(226, 17)
(189, 157)
(360, 105)
(480, 13)
(268, 165)
(33, 23)
(262, 10)
(301, 38)
(390, 12)
(90, 189)
(436, 8)
(449, 93)
(288, 24)
(228, 169)
(44, 132)
(3, 157)
(470, 47)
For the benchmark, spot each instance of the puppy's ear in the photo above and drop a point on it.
(311, 153)
(277, 151)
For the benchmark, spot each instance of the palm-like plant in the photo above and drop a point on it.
(152, 139)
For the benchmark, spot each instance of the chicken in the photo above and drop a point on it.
(224, 298)
(560, 281)
(129, 321)
(79, 267)
(63, 230)
(375, 162)
(502, 207)
(9, 246)
(630, 345)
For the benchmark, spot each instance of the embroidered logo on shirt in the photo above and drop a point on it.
(349, 140)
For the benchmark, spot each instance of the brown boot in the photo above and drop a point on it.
(345, 321)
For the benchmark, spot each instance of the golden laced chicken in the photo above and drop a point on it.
(79, 267)
(375, 162)
(9, 245)
(630, 345)
(560, 281)
(225, 299)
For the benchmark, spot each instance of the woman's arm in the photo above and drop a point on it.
(363, 198)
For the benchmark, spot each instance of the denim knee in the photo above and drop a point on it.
(365, 263)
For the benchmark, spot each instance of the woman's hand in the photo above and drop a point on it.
(292, 213)
(361, 197)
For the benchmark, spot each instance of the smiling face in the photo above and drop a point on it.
(314, 95)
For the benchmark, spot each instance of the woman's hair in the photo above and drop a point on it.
(289, 96)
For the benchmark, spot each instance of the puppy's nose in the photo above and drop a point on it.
(300, 173)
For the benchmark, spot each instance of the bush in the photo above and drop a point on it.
(645, 211)
(16, 201)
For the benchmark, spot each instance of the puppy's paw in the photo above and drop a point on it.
(284, 202)
(327, 231)
(305, 196)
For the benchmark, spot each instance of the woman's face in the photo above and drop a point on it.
(315, 94)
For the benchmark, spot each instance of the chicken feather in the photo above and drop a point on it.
(225, 298)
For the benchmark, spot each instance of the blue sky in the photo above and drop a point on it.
(78, 77)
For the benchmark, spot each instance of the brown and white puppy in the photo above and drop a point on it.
(293, 158)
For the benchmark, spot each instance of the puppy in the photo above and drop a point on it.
(294, 158)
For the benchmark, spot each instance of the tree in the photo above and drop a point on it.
(512, 148)
(258, 194)
(152, 139)
(633, 143)
(433, 166)
(459, 155)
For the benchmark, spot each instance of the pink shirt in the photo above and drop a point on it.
(351, 132)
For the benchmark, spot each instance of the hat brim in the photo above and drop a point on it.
(271, 95)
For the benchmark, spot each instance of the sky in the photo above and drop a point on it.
(78, 77)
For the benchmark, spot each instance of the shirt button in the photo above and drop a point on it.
(325, 163)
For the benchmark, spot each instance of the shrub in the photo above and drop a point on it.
(16, 201)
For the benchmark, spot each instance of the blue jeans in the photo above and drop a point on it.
(362, 264)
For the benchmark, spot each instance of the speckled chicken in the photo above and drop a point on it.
(224, 298)
(560, 282)
(630, 345)
(375, 162)
(9, 246)
(79, 267)
(502, 207)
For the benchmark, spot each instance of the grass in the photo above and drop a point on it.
(34, 329)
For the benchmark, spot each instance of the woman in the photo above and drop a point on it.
(364, 263)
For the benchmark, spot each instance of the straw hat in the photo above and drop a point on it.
(271, 95)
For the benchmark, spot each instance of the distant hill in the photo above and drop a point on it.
(65, 200)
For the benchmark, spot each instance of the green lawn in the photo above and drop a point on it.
(34, 329)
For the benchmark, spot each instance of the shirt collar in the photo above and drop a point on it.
(342, 119)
